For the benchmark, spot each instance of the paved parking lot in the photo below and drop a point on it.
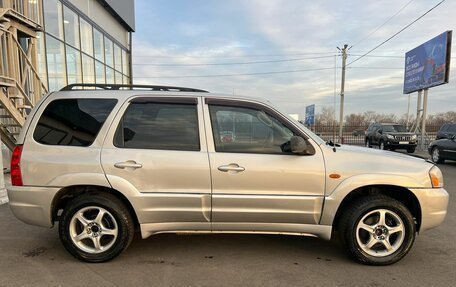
(33, 256)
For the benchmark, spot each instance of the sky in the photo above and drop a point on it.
(286, 51)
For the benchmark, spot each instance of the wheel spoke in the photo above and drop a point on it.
(395, 229)
(382, 217)
(371, 242)
(366, 227)
(81, 236)
(82, 219)
(112, 232)
(99, 218)
(96, 243)
(387, 244)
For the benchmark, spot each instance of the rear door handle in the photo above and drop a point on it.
(234, 167)
(129, 165)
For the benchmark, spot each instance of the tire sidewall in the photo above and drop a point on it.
(123, 221)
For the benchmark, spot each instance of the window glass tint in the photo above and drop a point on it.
(394, 128)
(246, 130)
(72, 122)
(452, 128)
(166, 126)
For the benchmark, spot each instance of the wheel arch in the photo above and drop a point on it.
(402, 194)
(66, 194)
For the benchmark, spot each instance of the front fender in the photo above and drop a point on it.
(344, 188)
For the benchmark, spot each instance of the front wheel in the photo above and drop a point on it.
(377, 230)
(435, 155)
(411, 150)
(382, 145)
(96, 227)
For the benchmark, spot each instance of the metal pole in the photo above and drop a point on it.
(423, 123)
(342, 89)
(408, 113)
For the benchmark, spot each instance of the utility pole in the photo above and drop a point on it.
(342, 89)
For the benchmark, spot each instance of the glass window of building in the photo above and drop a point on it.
(73, 62)
(86, 37)
(88, 69)
(109, 76)
(100, 77)
(98, 45)
(118, 78)
(41, 50)
(124, 62)
(118, 58)
(53, 19)
(125, 80)
(55, 54)
(109, 54)
(71, 25)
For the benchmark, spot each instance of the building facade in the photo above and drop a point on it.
(85, 41)
(48, 44)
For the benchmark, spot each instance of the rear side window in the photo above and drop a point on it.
(451, 128)
(72, 122)
(444, 128)
(163, 126)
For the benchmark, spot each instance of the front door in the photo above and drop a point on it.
(257, 183)
(155, 152)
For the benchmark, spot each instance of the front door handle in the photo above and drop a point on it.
(234, 167)
(129, 165)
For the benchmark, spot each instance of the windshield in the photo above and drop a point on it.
(394, 128)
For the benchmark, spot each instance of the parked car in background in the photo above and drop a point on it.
(390, 136)
(104, 163)
(446, 131)
(443, 149)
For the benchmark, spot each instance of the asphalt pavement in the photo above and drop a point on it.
(34, 256)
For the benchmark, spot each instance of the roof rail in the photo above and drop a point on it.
(74, 87)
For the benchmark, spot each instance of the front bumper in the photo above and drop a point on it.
(396, 144)
(32, 204)
(434, 204)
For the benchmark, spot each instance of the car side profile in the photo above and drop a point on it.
(443, 149)
(106, 162)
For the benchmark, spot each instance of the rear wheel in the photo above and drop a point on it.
(96, 227)
(368, 144)
(435, 155)
(377, 230)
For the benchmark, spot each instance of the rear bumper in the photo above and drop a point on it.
(434, 204)
(32, 205)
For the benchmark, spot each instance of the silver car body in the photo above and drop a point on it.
(185, 191)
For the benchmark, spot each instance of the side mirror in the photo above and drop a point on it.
(298, 145)
(380, 131)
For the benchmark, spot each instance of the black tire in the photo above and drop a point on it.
(435, 155)
(116, 217)
(411, 150)
(381, 145)
(367, 142)
(349, 233)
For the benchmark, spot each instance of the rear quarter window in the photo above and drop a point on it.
(72, 122)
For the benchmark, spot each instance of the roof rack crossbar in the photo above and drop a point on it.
(73, 87)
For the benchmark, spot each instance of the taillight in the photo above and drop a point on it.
(16, 175)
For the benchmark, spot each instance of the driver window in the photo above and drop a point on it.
(247, 130)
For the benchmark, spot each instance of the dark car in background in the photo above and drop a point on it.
(443, 149)
(390, 136)
(446, 131)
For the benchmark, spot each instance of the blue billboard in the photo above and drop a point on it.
(310, 116)
(428, 65)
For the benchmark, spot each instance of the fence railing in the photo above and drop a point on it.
(355, 134)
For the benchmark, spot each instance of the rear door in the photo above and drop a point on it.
(156, 153)
(257, 183)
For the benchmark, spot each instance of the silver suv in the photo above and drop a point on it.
(107, 161)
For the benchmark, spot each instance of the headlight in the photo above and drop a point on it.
(436, 177)
(413, 137)
(390, 137)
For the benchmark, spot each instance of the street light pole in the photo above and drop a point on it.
(342, 89)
